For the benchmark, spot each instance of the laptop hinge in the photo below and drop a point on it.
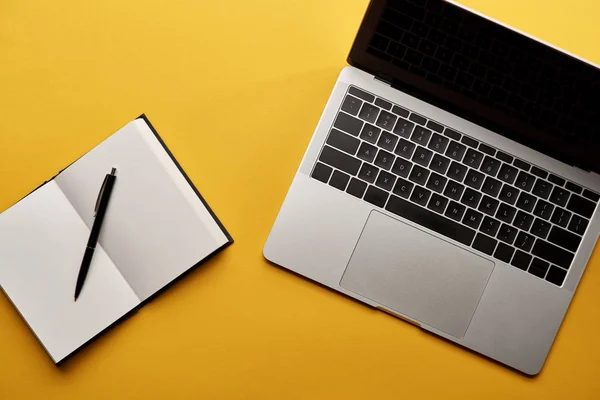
(384, 79)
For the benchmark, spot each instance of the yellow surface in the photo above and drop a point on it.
(236, 89)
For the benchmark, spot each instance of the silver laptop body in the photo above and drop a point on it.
(435, 219)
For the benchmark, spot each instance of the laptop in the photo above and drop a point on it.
(452, 180)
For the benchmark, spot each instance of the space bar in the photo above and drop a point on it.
(430, 220)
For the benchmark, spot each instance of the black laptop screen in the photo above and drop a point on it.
(487, 73)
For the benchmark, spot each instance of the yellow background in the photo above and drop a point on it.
(236, 88)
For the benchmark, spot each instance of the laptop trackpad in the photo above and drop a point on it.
(415, 274)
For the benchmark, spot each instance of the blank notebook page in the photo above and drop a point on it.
(42, 240)
(156, 227)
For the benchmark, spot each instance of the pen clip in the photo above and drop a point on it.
(100, 195)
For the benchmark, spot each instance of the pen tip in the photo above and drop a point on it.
(113, 171)
(75, 298)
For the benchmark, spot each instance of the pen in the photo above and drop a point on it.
(100, 210)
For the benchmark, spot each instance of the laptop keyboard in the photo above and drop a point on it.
(455, 185)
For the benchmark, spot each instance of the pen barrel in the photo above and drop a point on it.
(102, 206)
(83, 270)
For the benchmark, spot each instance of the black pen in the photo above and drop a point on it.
(100, 209)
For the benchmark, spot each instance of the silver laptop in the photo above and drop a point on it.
(452, 180)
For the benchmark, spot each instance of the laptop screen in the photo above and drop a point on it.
(487, 73)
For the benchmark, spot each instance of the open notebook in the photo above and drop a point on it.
(156, 228)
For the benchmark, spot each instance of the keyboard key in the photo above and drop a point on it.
(543, 209)
(557, 180)
(521, 164)
(405, 148)
(418, 119)
(521, 260)
(419, 175)
(404, 128)
(438, 143)
(344, 142)
(401, 167)
(556, 275)
(539, 172)
(487, 149)
(509, 194)
(400, 111)
(523, 221)
(526, 202)
(386, 120)
(384, 159)
(339, 160)
(581, 206)
(525, 181)
(470, 142)
(471, 198)
(542, 188)
(356, 188)
(351, 105)
(578, 224)
(422, 156)
(490, 166)
(574, 188)
(367, 152)
(322, 172)
(490, 226)
(430, 220)
(437, 203)
(456, 150)
(452, 134)
(383, 104)
(403, 188)
(420, 195)
(484, 244)
(363, 95)
(504, 252)
(540, 228)
(436, 182)
(369, 113)
(348, 124)
(435, 126)
(559, 196)
(454, 190)
(368, 172)
(506, 213)
(504, 157)
(474, 179)
(507, 173)
(455, 211)
(385, 180)
(473, 158)
(439, 163)
(387, 141)
(376, 196)
(339, 180)
(457, 171)
(488, 205)
(538, 268)
(491, 186)
(507, 233)
(563, 238)
(560, 217)
(472, 218)
(524, 241)
(421, 135)
(591, 195)
(370, 133)
(553, 254)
